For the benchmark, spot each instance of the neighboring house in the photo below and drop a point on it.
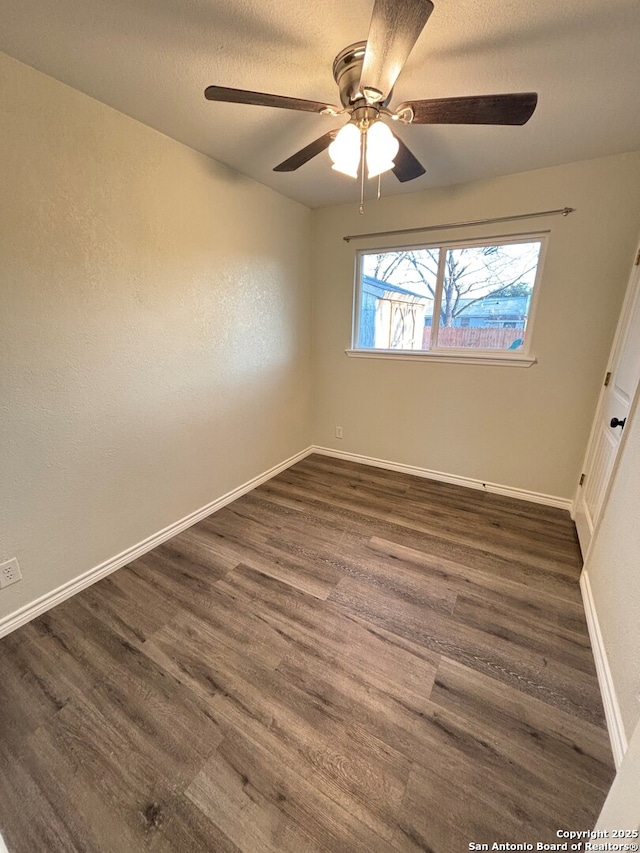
(494, 312)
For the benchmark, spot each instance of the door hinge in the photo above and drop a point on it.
(638, 258)
(582, 476)
(607, 378)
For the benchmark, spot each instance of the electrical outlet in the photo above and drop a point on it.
(339, 432)
(9, 573)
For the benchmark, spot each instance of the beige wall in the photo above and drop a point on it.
(622, 806)
(154, 331)
(522, 428)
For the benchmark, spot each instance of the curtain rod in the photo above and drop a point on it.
(565, 211)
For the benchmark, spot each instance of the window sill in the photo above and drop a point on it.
(492, 359)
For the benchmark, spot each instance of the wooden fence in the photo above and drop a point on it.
(472, 336)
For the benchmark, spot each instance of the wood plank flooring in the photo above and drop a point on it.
(345, 659)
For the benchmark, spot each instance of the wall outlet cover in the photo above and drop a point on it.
(9, 573)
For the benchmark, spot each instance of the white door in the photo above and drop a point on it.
(613, 408)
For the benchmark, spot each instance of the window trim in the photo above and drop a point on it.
(475, 357)
(522, 358)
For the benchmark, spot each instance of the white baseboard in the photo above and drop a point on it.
(468, 482)
(612, 713)
(46, 602)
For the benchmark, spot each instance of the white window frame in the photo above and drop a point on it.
(521, 358)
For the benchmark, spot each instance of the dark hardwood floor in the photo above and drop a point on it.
(345, 659)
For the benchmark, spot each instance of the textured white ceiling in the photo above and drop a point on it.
(152, 60)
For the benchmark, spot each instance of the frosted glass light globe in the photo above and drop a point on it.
(345, 150)
(382, 147)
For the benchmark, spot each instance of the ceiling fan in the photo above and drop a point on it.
(365, 73)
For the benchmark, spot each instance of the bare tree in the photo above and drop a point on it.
(470, 274)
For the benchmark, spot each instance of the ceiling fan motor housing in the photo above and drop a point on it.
(347, 70)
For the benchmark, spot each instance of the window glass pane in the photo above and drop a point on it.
(397, 291)
(486, 296)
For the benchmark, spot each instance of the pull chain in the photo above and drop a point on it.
(363, 149)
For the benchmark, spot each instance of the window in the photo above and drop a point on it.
(462, 300)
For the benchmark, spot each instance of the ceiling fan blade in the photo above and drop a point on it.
(262, 99)
(307, 153)
(474, 109)
(394, 29)
(407, 166)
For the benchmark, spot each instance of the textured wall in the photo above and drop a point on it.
(523, 428)
(622, 807)
(154, 331)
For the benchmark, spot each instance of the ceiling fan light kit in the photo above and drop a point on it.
(365, 73)
(380, 144)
